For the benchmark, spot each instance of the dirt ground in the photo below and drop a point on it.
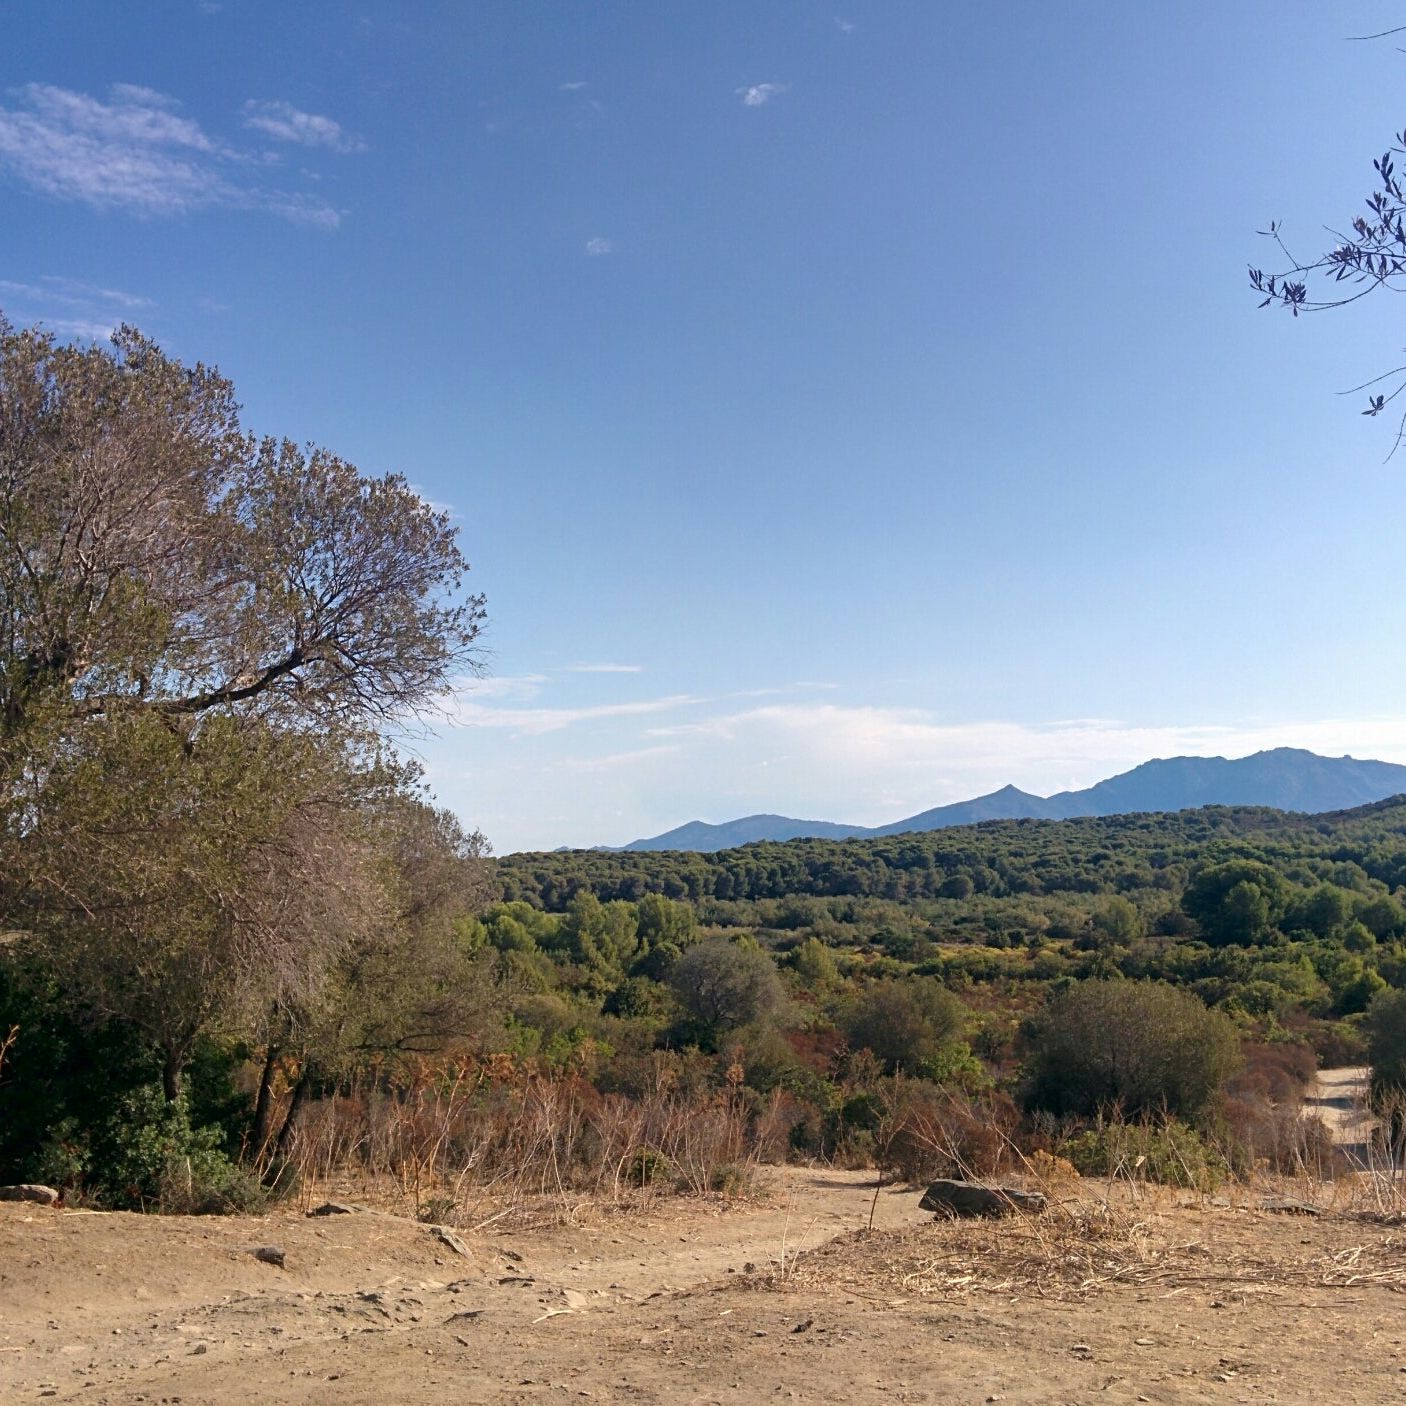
(1152, 1298)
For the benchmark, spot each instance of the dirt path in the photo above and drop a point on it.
(661, 1306)
(1339, 1098)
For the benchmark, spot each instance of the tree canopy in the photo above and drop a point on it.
(201, 634)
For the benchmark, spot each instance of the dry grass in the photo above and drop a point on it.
(1087, 1244)
(479, 1142)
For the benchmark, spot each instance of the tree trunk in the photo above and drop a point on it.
(171, 1074)
(301, 1089)
(263, 1105)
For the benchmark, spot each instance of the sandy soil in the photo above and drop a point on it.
(1152, 1300)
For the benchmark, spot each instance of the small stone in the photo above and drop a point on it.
(447, 1238)
(269, 1254)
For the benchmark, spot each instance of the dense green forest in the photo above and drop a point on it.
(1270, 915)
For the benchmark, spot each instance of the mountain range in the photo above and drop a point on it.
(1286, 778)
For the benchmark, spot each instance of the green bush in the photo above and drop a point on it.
(1170, 1153)
(1138, 1047)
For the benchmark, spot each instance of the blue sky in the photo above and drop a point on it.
(845, 411)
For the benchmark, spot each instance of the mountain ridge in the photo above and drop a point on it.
(1285, 778)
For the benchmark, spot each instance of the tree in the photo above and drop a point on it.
(906, 1024)
(1115, 923)
(1236, 903)
(396, 975)
(200, 633)
(154, 557)
(722, 985)
(1138, 1047)
(1371, 257)
(1386, 1048)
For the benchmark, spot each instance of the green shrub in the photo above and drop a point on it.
(146, 1156)
(1170, 1153)
(647, 1167)
(1139, 1047)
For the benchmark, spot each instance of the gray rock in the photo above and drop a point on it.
(447, 1238)
(334, 1208)
(269, 1254)
(1288, 1206)
(956, 1199)
(31, 1191)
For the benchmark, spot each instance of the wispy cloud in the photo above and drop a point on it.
(572, 87)
(618, 761)
(642, 766)
(72, 293)
(70, 307)
(467, 710)
(761, 93)
(843, 25)
(136, 152)
(605, 668)
(597, 247)
(286, 123)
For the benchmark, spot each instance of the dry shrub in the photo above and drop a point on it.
(929, 1132)
(507, 1129)
(1279, 1072)
(1262, 1124)
(1278, 1137)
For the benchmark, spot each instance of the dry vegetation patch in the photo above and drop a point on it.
(1087, 1247)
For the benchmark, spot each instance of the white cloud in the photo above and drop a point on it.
(573, 87)
(134, 152)
(618, 761)
(843, 25)
(760, 93)
(80, 328)
(596, 247)
(465, 710)
(69, 307)
(605, 668)
(71, 293)
(286, 123)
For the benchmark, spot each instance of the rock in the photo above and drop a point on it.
(31, 1191)
(269, 1254)
(956, 1199)
(1287, 1206)
(447, 1237)
(334, 1208)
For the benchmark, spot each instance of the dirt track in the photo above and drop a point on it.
(1339, 1098)
(1197, 1304)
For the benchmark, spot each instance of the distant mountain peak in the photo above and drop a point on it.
(1286, 778)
